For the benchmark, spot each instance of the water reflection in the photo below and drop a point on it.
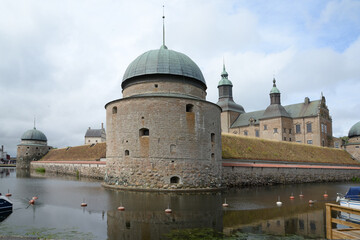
(144, 217)
(5, 172)
(251, 210)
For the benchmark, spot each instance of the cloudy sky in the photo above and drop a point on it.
(62, 61)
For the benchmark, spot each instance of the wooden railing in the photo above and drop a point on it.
(353, 230)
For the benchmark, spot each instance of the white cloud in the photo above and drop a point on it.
(62, 61)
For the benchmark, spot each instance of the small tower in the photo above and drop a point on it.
(230, 111)
(353, 146)
(275, 118)
(33, 146)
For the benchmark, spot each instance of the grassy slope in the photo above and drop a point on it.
(78, 153)
(236, 147)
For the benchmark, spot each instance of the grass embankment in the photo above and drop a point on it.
(236, 147)
(78, 153)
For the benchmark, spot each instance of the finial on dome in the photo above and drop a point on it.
(274, 82)
(34, 122)
(163, 17)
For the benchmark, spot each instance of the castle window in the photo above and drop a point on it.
(144, 132)
(290, 131)
(172, 148)
(290, 139)
(356, 146)
(156, 86)
(309, 127)
(245, 133)
(127, 225)
(297, 128)
(257, 133)
(127, 152)
(284, 138)
(284, 130)
(174, 179)
(265, 127)
(212, 137)
(309, 142)
(322, 127)
(189, 108)
(275, 130)
(325, 126)
(114, 110)
(323, 143)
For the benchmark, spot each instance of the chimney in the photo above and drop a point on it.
(102, 125)
(89, 127)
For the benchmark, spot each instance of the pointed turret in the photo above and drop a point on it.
(275, 109)
(226, 101)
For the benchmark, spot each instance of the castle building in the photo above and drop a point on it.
(353, 145)
(163, 134)
(308, 122)
(93, 136)
(33, 146)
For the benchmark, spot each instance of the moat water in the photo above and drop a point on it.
(252, 212)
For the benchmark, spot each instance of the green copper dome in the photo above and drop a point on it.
(34, 134)
(163, 61)
(354, 130)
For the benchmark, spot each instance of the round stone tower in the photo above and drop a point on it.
(353, 145)
(33, 146)
(163, 134)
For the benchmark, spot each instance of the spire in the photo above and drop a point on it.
(163, 17)
(34, 122)
(224, 77)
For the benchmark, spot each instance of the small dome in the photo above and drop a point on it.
(34, 134)
(274, 88)
(354, 130)
(163, 61)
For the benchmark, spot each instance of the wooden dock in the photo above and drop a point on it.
(353, 230)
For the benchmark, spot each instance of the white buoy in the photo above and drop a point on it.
(278, 203)
(225, 204)
(83, 204)
(168, 210)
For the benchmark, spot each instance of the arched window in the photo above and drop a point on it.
(144, 132)
(127, 152)
(114, 110)
(174, 179)
(189, 108)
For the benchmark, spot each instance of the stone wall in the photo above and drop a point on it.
(237, 176)
(27, 152)
(151, 140)
(92, 169)
(172, 85)
(353, 147)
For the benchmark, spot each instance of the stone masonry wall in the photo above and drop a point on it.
(164, 87)
(181, 144)
(89, 169)
(234, 176)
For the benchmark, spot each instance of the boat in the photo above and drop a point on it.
(5, 204)
(352, 200)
